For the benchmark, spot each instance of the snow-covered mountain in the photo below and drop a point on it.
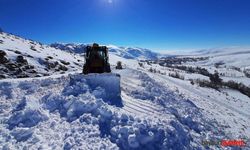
(125, 52)
(70, 47)
(232, 56)
(155, 110)
(221, 51)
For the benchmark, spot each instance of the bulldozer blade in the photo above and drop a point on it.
(110, 82)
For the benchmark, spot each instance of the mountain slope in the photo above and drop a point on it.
(232, 56)
(25, 58)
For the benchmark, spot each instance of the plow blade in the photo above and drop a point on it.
(110, 83)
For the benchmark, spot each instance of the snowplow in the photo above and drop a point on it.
(96, 59)
(98, 74)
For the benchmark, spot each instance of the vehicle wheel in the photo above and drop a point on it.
(85, 69)
(108, 68)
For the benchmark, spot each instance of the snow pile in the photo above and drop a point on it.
(53, 106)
(68, 112)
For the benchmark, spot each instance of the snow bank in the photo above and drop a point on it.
(73, 112)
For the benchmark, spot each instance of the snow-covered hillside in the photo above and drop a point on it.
(72, 111)
(232, 56)
(25, 58)
(231, 63)
(125, 52)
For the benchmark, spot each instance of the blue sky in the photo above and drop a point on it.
(154, 24)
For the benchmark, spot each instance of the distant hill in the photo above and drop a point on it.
(125, 52)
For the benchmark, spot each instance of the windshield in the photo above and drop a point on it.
(97, 54)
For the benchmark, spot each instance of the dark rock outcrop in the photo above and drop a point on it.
(3, 59)
(21, 60)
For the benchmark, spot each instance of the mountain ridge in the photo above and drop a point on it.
(125, 52)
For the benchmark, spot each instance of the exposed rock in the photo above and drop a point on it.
(37, 75)
(2, 76)
(50, 57)
(51, 65)
(4, 70)
(2, 53)
(20, 59)
(18, 71)
(22, 76)
(33, 48)
(77, 64)
(63, 68)
(28, 67)
(64, 62)
(11, 66)
(3, 59)
(32, 71)
(17, 52)
(29, 56)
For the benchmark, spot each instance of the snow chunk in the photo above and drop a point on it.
(27, 118)
(132, 141)
(22, 134)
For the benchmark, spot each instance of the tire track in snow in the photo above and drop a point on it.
(204, 97)
(134, 104)
(138, 107)
(134, 111)
(143, 103)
